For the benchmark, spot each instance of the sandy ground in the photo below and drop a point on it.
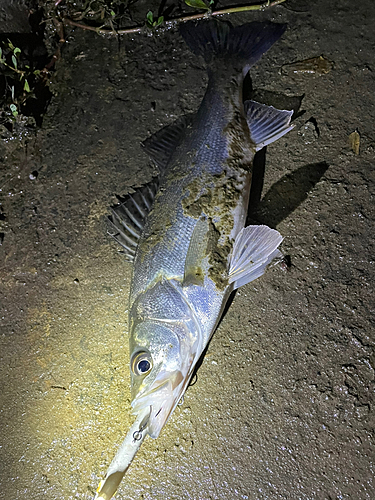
(283, 404)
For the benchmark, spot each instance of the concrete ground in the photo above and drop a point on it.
(283, 404)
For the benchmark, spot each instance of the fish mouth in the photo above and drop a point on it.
(162, 398)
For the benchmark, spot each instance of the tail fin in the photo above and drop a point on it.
(216, 39)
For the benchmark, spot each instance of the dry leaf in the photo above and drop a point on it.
(315, 65)
(354, 141)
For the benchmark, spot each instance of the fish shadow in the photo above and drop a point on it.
(284, 196)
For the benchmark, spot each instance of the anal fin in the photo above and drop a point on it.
(266, 123)
(254, 249)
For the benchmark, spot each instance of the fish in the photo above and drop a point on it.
(185, 230)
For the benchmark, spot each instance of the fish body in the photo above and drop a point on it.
(192, 249)
(182, 264)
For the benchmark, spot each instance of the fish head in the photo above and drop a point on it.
(161, 363)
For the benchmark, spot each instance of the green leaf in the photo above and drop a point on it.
(160, 21)
(36, 72)
(1, 53)
(14, 61)
(150, 17)
(10, 45)
(16, 51)
(197, 4)
(26, 86)
(13, 109)
(112, 13)
(12, 91)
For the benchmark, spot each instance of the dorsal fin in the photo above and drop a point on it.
(127, 218)
(161, 145)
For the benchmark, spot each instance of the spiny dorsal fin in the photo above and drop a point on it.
(266, 123)
(127, 219)
(254, 249)
(161, 145)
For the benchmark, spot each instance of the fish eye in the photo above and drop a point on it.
(141, 363)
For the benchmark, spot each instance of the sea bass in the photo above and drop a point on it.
(185, 230)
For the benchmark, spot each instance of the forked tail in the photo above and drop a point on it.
(238, 46)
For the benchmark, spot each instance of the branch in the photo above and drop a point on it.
(183, 19)
(16, 70)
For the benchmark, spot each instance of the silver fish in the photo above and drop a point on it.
(185, 231)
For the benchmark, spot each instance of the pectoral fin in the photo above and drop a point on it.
(266, 123)
(254, 249)
(193, 274)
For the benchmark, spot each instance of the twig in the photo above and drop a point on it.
(56, 56)
(183, 19)
(16, 70)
